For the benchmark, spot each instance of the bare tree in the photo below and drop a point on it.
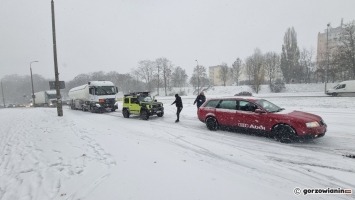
(124, 82)
(272, 65)
(248, 70)
(224, 73)
(98, 76)
(146, 71)
(166, 70)
(255, 64)
(306, 64)
(237, 70)
(179, 77)
(199, 78)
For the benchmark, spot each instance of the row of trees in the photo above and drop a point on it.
(17, 89)
(162, 74)
(292, 65)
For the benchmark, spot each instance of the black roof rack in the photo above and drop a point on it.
(137, 94)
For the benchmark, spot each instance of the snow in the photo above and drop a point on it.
(91, 156)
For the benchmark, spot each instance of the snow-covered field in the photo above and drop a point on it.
(105, 156)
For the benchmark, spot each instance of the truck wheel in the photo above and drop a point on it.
(144, 115)
(160, 114)
(211, 123)
(284, 133)
(125, 113)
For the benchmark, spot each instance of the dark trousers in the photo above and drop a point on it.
(178, 111)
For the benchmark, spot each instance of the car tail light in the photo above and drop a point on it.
(101, 100)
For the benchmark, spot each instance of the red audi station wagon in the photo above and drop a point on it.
(261, 116)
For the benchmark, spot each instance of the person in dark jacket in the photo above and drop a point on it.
(178, 104)
(200, 99)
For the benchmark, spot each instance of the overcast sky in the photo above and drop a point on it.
(114, 35)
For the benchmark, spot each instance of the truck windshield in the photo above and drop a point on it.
(105, 90)
(52, 96)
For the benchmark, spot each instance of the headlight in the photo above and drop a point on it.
(312, 124)
(98, 105)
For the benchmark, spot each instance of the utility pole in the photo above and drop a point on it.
(57, 86)
(2, 92)
(327, 52)
(158, 79)
(198, 78)
(33, 91)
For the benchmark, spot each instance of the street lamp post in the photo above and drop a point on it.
(198, 77)
(56, 72)
(2, 92)
(33, 92)
(327, 67)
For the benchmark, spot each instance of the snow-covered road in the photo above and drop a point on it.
(105, 156)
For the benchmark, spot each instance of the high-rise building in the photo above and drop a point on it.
(327, 43)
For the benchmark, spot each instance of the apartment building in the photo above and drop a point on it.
(215, 76)
(327, 42)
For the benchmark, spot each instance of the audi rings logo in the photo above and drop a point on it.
(297, 191)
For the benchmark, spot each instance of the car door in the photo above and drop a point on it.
(248, 118)
(226, 112)
(134, 106)
(341, 88)
(209, 109)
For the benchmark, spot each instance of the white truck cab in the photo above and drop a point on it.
(345, 88)
(96, 96)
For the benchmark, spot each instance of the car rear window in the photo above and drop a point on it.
(212, 103)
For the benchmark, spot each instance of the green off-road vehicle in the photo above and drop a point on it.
(142, 104)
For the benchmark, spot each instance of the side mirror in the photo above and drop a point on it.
(259, 111)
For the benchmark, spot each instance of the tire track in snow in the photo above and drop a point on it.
(99, 153)
(254, 153)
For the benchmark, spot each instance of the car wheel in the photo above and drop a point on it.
(144, 115)
(284, 133)
(334, 94)
(160, 114)
(125, 113)
(211, 123)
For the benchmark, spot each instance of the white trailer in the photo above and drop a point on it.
(45, 98)
(96, 96)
